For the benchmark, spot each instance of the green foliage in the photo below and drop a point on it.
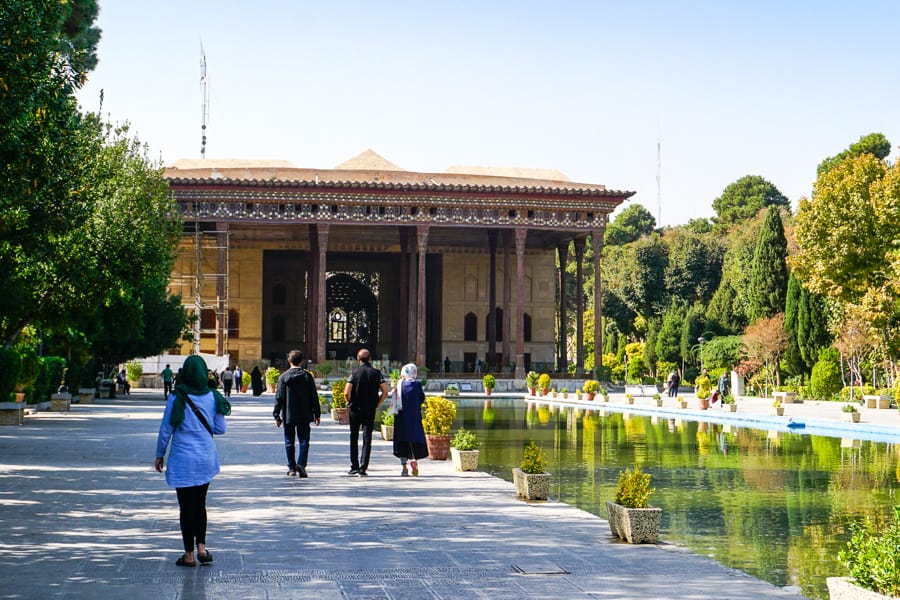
(246, 379)
(10, 363)
(874, 143)
(793, 359)
(825, 380)
(873, 556)
(533, 461)
(464, 440)
(694, 267)
(812, 326)
(133, 371)
(50, 377)
(531, 379)
(722, 352)
(668, 340)
(769, 274)
(691, 328)
(489, 381)
(337, 393)
(849, 408)
(544, 381)
(630, 225)
(633, 489)
(272, 374)
(744, 198)
(387, 418)
(438, 416)
(591, 386)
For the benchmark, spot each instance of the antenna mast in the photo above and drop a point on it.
(204, 104)
(658, 192)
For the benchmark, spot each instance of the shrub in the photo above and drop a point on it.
(337, 393)
(633, 489)
(871, 556)
(246, 379)
(489, 381)
(10, 363)
(451, 390)
(591, 386)
(387, 418)
(544, 381)
(849, 408)
(825, 380)
(533, 461)
(464, 440)
(134, 370)
(727, 399)
(439, 414)
(50, 377)
(272, 375)
(531, 379)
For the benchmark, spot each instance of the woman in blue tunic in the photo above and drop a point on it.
(194, 412)
(409, 437)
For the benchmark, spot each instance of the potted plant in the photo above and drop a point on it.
(452, 390)
(324, 369)
(578, 393)
(591, 387)
(682, 402)
(272, 375)
(464, 450)
(437, 419)
(387, 425)
(629, 398)
(339, 411)
(245, 381)
(489, 382)
(777, 408)
(133, 372)
(564, 391)
(658, 399)
(631, 517)
(728, 403)
(531, 381)
(531, 478)
(544, 384)
(871, 556)
(850, 414)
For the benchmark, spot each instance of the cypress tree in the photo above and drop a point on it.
(792, 357)
(768, 271)
(812, 326)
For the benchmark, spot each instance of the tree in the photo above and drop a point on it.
(825, 380)
(875, 144)
(812, 326)
(636, 274)
(744, 198)
(630, 225)
(769, 274)
(668, 340)
(694, 267)
(793, 359)
(764, 342)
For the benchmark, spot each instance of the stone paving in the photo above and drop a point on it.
(84, 515)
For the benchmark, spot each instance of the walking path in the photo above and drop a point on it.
(84, 515)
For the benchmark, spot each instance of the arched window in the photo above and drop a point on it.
(337, 326)
(470, 328)
(279, 294)
(207, 323)
(498, 325)
(526, 328)
(233, 323)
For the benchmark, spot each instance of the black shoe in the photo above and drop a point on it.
(301, 472)
(363, 474)
(353, 471)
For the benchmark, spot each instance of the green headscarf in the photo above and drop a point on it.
(193, 380)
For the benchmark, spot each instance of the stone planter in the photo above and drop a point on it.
(12, 413)
(60, 402)
(464, 460)
(877, 401)
(531, 486)
(387, 432)
(629, 399)
(683, 403)
(786, 397)
(659, 402)
(635, 525)
(341, 415)
(86, 395)
(729, 407)
(438, 446)
(843, 588)
(777, 411)
(850, 417)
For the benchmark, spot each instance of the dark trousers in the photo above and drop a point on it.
(359, 459)
(226, 386)
(301, 433)
(167, 388)
(192, 515)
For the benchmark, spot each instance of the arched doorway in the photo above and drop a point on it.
(352, 313)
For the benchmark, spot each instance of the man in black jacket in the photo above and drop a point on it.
(296, 405)
(365, 391)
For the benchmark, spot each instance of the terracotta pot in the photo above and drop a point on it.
(704, 403)
(488, 391)
(532, 391)
(341, 415)
(590, 395)
(438, 446)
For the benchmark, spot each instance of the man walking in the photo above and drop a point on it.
(167, 377)
(296, 406)
(365, 391)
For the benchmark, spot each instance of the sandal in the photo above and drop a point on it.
(205, 558)
(415, 468)
(181, 562)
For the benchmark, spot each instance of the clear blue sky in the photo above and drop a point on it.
(728, 89)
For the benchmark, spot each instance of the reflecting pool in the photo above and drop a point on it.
(773, 504)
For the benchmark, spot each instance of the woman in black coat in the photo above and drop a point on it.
(256, 381)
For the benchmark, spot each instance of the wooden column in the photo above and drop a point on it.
(422, 239)
(521, 234)
(563, 360)
(597, 244)
(221, 287)
(412, 300)
(322, 308)
(402, 309)
(507, 359)
(579, 307)
(312, 295)
(492, 302)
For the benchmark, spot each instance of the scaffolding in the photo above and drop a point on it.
(204, 287)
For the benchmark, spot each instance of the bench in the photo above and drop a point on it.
(636, 391)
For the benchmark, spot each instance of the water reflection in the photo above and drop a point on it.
(774, 504)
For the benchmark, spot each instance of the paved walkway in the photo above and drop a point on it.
(83, 515)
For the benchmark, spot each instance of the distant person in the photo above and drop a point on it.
(168, 377)
(409, 436)
(446, 364)
(238, 379)
(227, 381)
(122, 380)
(674, 382)
(478, 365)
(365, 391)
(296, 406)
(256, 382)
(194, 413)
(723, 384)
